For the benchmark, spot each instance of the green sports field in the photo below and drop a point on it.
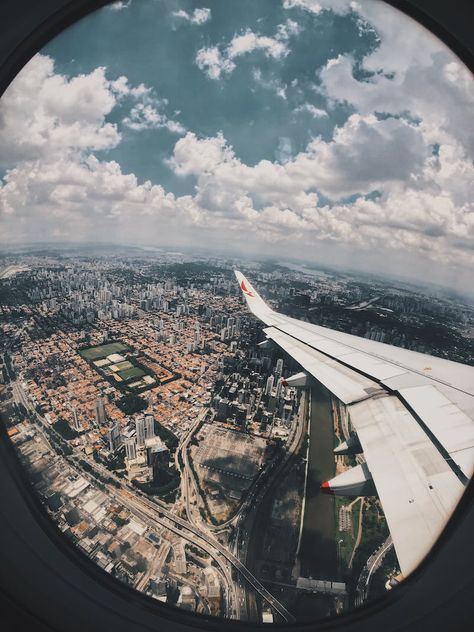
(129, 374)
(121, 366)
(102, 351)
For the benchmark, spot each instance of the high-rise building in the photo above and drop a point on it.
(76, 424)
(269, 385)
(278, 388)
(149, 426)
(131, 448)
(222, 409)
(279, 368)
(114, 437)
(197, 334)
(100, 412)
(140, 427)
(157, 455)
(286, 414)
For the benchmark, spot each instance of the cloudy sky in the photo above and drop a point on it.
(327, 130)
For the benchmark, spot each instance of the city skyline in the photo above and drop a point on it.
(334, 131)
(165, 423)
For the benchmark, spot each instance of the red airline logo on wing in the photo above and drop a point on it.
(244, 289)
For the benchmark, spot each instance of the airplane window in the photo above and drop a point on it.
(237, 310)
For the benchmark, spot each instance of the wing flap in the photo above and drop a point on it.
(345, 384)
(451, 426)
(416, 487)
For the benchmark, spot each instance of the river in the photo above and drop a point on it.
(317, 554)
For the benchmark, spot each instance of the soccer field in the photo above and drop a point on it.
(129, 374)
(102, 351)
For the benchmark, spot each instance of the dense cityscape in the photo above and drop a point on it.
(168, 440)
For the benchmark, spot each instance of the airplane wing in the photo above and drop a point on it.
(413, 415)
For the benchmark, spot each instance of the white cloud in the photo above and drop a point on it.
(402, 41)
(44, 113)
(49, 125)
(217, 61)
(425, 213)
(248, 42)
(440, 94)
(311, 109)
(119, 6)
(213, 63)
(316, 6)
(288, 29)
(425, 203)
(198, 16)
(145, 116)
(364, 155)
(87, 199)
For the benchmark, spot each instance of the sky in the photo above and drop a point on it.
(331, 131)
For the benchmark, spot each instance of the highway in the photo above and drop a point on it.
(372, 565)
(184, 528)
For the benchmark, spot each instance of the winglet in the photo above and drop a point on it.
(256, 304)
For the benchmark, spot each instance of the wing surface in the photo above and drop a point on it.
(413, 415)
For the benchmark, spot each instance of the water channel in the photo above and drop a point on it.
(318, 549)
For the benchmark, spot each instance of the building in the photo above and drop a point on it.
(100, 416)
(222, 409)
(76, 424)
(179, 554)
(186, 599)
(157, 456)
(114, 437)
(269, 385)
(158, 588)
(140, 427)
(149, 426)
(131, 449)
(211, 582)
(278, 388)
(212, 589)
(197, 334)
(286, 414)
(279, 369)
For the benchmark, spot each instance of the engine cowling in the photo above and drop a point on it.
(354, 482)
(298, 379)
